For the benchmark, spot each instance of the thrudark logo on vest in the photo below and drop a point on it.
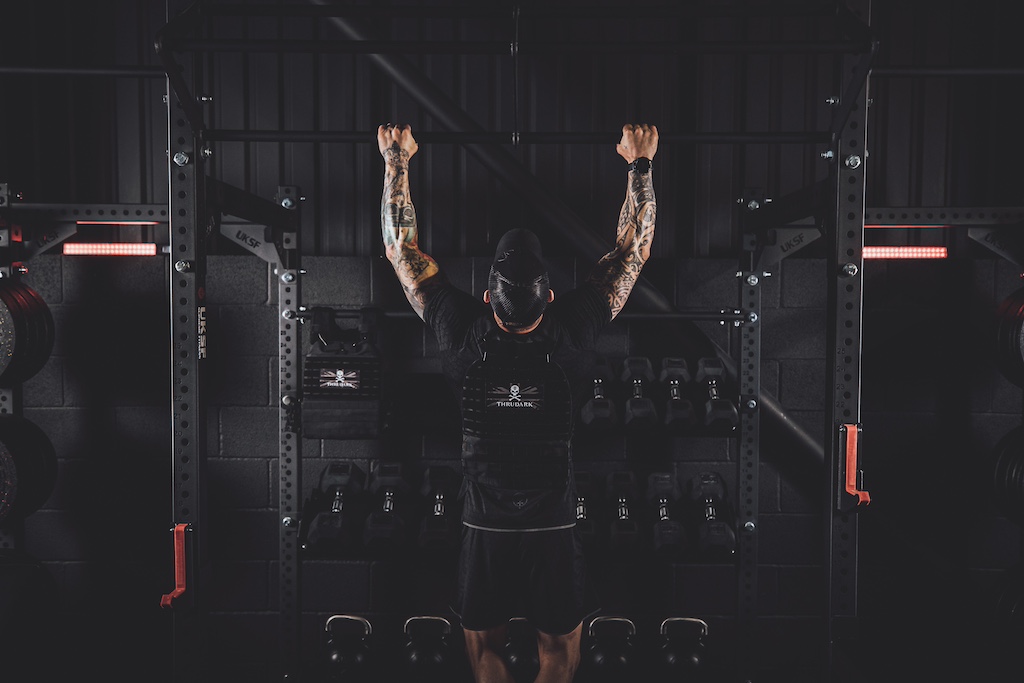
(515, 396)
(339, 379)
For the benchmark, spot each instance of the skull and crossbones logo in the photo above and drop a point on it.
(513, 393)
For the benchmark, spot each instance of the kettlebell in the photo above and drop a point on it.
(610, 652)
(682, 648)
(428, 655)
(347, 654)
(521, 649)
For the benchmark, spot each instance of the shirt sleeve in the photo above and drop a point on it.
(584, 313)
(450, 313)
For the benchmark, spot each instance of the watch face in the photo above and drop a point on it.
(643, 165)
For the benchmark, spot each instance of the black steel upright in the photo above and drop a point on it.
(845, 266)
(187, 223)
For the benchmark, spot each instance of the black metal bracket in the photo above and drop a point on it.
(272, 220)
(854, 86)
(167, 39)
(767, 229)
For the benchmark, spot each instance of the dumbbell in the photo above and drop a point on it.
(679, 412)
(334, 529)
(439, 528)
(680, 652)
(586, 496)
(716, 539)
(610, 653)
(521, 653)
(347, 649)
(384, 531)
(429, 655)
(599, 411)
(638, 375)
(719, 412)
(669, 534)
(621, 490)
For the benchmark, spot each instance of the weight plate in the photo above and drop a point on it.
(1009, 337)
(8, 482)
(41, 320)
(34, 331)
(16, 292)
(15, 370)
(8, 337)
(35, 462)
(1008, 475)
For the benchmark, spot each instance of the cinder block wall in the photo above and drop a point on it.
(933, 407)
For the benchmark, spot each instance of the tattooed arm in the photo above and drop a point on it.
(417, 272)
(617, 271)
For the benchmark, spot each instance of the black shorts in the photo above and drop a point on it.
(539, 575)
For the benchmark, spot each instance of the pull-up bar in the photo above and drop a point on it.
(523, 48)
(514, 138)
(504, 11)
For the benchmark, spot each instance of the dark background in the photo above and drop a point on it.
(934, 552)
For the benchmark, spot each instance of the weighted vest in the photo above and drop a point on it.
(516, 416)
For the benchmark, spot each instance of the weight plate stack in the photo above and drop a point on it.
(28, 467)
(26, 332)
(1008, 475)
(1009, 337)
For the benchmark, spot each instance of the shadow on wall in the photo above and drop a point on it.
(114, 486)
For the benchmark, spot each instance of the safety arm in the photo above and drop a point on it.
(417, 272)
(617, 271)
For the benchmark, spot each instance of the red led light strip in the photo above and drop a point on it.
(881, 253)
(117, 222)
(887, 226)
(109, 249)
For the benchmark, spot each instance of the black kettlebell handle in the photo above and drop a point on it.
(349, 617)
(692, 620)
(446, 626)
(596, 620)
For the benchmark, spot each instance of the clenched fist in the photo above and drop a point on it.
(638, 140)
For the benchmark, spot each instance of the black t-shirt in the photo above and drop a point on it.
(571, 323)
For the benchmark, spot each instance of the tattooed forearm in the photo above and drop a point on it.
(617, 271)
(400, 231)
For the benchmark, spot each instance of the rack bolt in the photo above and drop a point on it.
(752, 280)
(751, 404)
(289, 314)
(206, 151)
(183, 266)
(753, 205)
(288, 522)
(850, 269)
(287, 202)
(852, 161)
(180, 158)
(287, 400)
(749, 526)
(751, 317)
(288, 277)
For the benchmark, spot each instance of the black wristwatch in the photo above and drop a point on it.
(641, 164)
